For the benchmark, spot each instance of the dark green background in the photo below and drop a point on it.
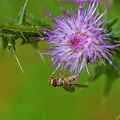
(29, 97)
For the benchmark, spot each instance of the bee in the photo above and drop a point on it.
(66, 83)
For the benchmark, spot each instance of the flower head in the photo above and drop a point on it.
(80, 1)
(78, 39)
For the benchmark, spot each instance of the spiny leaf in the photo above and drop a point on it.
(22, 28)
(26, 33)
(21, 19)
(18, 28)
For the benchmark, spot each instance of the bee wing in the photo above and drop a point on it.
(69, 88)
(80, 85)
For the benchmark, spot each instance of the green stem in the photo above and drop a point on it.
(18, 28)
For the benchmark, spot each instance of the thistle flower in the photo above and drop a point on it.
(80, 1)
(78, 39)
(107, 3)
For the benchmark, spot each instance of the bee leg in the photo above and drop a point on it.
(51, 77)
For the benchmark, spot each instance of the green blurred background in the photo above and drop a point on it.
(29, 97)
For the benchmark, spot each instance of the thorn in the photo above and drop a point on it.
(23, 36)
(18, 62)
(23, 12)
(41, 56)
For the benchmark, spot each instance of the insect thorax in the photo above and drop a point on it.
(60, 82)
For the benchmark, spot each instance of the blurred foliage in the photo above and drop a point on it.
(20, 28)
(112, 72)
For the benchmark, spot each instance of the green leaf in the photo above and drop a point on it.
(22, 14)
(113, 21)
(112, 73)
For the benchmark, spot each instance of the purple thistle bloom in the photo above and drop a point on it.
(107, 3)
(80, 1)
(78, 39)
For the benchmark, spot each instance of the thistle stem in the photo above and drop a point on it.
(18, 28)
